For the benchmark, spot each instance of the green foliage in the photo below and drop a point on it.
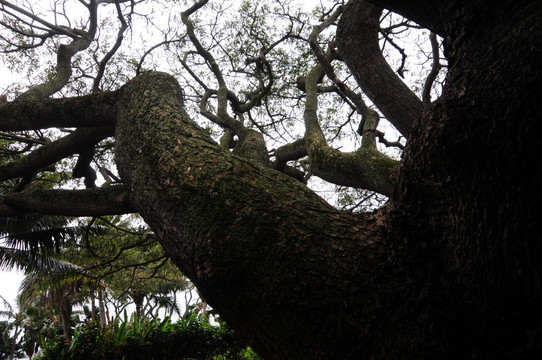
(6, 342)
(129, 262)
(32, 241)
(21, 331)
(160, 340)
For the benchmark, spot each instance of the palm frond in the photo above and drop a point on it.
(49, 238)
(39, 236)
(31, 222)
(7, 305)
(33, 261)
(167, 303)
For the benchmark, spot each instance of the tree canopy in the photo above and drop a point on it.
(210, 119)
(259, 58)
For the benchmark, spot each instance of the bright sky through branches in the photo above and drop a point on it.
(11, 280)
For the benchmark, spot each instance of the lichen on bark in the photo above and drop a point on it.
(226, 221)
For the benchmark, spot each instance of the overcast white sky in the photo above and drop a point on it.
(9, 285)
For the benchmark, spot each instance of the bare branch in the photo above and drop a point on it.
(81, 39)
(57, 150)
(151, 49)
(435, 68)
(110, 200)
(57, 29)
(401, 69)
(112, 51)
(363, 56)
(382, 139)
(222, 118)
(313, 41)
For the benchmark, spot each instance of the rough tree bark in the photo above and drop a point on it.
(449, 268)
(466, 195)
(255, 242)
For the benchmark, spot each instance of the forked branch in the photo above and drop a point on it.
(372, 72)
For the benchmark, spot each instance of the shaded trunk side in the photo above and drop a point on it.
(469, 186)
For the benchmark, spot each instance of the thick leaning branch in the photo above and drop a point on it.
(78, 141)
(376, 78)
(231, 224)
(84, 111)
(111, 200)
(365, 168)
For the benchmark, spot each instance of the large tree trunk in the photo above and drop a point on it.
(449, 269)
(462, 220)
(469, 187)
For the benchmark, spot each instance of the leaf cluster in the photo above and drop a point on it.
(136, 339)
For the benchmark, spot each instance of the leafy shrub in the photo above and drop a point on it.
(148, 340)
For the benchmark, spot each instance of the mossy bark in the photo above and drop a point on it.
(448, 269)
(108, 200)
(99, 110)
(272, 257)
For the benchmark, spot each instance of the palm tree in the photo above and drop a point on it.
(34, 243)
(15, 327)
(28, 325)
(53, 294)
(129, 259)
(166, 302)
(30, 242)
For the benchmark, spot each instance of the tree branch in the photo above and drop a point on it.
(292, 151)
(118, 42)
(435, 68)
(251, 143)
(376, 78)
(365, 168)
(80, 41)
(222, 117)
(58, 29)
(427, 13)
(84, 111)
(57, 150)
(111, 200)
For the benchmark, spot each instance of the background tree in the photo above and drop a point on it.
(24, 329)
(101, 259)
(126, 260)
(17, 320)
(448, 268)
(5, 346)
